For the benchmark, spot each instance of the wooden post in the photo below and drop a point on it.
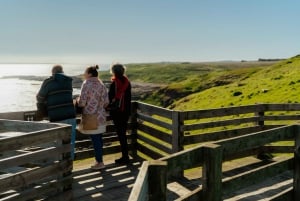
(297, 164)
(261, 121)
(177, 134)
(67, 157)
(212, 172)
(177, 137)
(157, 178)
(134, 129)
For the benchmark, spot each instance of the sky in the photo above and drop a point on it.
(105, 31)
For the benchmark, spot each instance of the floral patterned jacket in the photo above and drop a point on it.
(94, 98)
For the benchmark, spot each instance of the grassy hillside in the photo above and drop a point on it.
(279, 83)
(181, 79)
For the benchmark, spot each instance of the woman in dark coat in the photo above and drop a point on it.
(120, 106)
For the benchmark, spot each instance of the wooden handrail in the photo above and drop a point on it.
(210, 156)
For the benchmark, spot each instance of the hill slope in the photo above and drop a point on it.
(181, 79)
(279, 83)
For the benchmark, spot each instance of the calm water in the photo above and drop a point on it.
(18, 94)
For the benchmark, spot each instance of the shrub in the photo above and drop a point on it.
(237, 93)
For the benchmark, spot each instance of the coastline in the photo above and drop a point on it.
(139, 89)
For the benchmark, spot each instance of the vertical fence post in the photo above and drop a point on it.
(297, 164)
(212, 172)
(260, 114)
(134, 123)
(177, 137)
(67, 157)
(157, 178)
(177, 134)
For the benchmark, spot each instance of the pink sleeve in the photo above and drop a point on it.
(83, 95)
(105, 97)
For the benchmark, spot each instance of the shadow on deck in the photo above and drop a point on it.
(113, 183)
(116, 182)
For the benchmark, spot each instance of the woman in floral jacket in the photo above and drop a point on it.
(94, 100)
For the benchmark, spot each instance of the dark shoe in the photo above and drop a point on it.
(122, 160)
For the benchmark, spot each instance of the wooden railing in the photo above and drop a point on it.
(211, 156)
(161, 132)
(157, 133)
(35, 161)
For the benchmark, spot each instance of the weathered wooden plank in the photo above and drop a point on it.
(296, 183)
(16, 115)
(155, 133)
(198, 126)
(145, 150)
(23, 179)
(212, 172)
(64, 196)
(246, 142)
(261, 121)
(25, 126)
(154, 121)
(214, 136)
(47, 190)
(35, 138)
(254, 176)
(184, 160)
(21, 159)
(278, 149)
(284, 195)
(154, 110)
(140, 191)
(195, 195)
(282, 118)
(157, 179)
(134, 129)
(154, 144)
(258, 150)
(211, 113)
(282, 107)
(177, 133)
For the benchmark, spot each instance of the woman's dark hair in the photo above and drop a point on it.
(93, 70)
(118, 70)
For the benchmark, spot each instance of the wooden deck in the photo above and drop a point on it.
(116, 181)
(113, 183)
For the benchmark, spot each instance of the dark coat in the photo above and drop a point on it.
(127, 98)
(56, 96)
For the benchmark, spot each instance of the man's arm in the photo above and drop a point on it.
(42, 94)
(41, 98)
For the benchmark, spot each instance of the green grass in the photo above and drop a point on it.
(279, 83)
(181, 79)
(188, 86)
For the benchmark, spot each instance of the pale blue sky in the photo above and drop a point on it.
(147, 31)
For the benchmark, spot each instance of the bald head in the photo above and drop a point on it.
(57, 69)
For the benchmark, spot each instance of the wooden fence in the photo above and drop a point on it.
(211, 156)
(156, 133)
(35, 161)
(161, 132)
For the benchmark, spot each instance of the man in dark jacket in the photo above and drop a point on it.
(56, 99)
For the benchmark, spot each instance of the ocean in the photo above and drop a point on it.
(19, 94)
